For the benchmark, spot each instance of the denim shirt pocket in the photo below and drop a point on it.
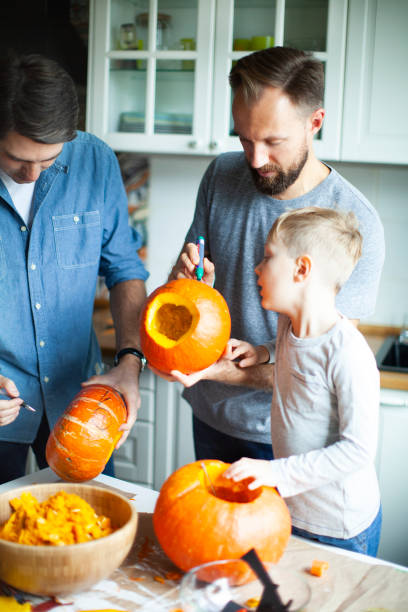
(3, 265)
(77, 239)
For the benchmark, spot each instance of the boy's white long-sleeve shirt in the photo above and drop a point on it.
(324, 421)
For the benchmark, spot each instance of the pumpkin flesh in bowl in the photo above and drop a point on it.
(61, 570)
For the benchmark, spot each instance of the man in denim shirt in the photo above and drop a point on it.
(63, 222)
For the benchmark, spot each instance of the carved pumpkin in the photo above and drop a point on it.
(82, 440)
(201, 516)
(185, 326)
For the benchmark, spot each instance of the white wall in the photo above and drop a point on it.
(174, 182)
(173, 187)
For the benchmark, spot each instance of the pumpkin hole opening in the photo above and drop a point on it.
(173, 321)
(238, 492)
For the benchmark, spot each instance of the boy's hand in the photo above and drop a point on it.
(247, 354)
(185, 267)
(258, 469)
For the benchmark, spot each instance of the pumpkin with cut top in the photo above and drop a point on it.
(185, 326)
(201, 516)
(84, 437)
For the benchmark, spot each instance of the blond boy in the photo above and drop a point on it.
(325, 402)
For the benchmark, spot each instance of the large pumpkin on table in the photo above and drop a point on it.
(82, 440)
(201, 516)
(185, 326)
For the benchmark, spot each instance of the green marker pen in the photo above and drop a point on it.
(200, 267)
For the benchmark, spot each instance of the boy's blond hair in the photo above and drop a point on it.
(330, 236)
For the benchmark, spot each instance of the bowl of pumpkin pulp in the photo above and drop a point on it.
(62, 538)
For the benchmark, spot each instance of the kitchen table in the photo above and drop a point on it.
(148, 581)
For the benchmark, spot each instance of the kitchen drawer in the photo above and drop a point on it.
(134, 459)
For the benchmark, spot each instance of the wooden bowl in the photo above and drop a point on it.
(60, 570)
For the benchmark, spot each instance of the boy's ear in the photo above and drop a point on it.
(303, 266)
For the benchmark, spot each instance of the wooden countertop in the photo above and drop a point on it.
(374, 334)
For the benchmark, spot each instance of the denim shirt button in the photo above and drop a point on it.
(23, 228)
(38, 305)
(76, 219)
(42, 343)
(33, 266)
(46, 379)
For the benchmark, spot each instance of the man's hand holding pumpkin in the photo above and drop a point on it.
(125, 379)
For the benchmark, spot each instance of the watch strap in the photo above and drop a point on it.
(132, 351)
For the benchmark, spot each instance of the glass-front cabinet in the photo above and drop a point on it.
(158, 69)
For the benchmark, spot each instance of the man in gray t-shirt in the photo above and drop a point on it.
(277, 110)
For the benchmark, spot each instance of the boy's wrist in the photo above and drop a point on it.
(262, 354)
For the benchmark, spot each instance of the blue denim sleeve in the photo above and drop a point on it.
(119, 258)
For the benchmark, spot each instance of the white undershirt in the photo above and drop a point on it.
(21, 195)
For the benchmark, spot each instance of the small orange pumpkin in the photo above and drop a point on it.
(201, 516)
(185, 326)
(82, 440)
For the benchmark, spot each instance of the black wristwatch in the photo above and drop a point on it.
(132, 351)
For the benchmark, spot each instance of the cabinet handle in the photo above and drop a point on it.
(192, 144)
(214, 144)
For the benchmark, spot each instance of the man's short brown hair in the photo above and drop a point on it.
(297, 73)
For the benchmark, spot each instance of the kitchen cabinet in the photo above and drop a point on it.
(158, 69)
(392, 459)
(161, 440)
(375, 124)
(134, 460)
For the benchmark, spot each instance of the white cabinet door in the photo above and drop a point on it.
(173, 431)
(375, 123)
(318, 26)
(134, 460)
(392, 462)
(160, 98)
(151, 97)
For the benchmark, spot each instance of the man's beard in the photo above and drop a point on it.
(273, 185)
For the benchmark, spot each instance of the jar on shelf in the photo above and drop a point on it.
(187, 44)
(162, 30)
(127, 36)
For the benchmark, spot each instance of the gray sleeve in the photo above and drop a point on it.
(357, 297)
